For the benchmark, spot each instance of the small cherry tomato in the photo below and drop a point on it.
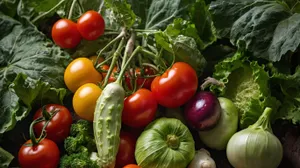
(81, 71)
(132, 166)
(91, 25)
(113, 76)
(176, 86)
(126, 149)
(140, 81)
(43, 155)
(139, 108)
(65, 33)
(59, 126)
(84, 100)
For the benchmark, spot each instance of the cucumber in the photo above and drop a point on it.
(107, 123)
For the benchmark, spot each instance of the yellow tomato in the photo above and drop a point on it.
(81, 71)
(84, 100)
(94, 58)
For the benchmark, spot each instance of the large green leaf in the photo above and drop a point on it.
(24, 50)
(5, 158)
(121, 12)
(246, 83)
(162, 12)
(9, 7)
(201, 17)
(268, 27)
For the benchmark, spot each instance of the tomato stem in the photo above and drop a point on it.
(128, 49)
(114, 60)
(45, 113)
(41, 119)
(49, 11)
(80, 6)
(138, 49)
(120, 36)
(71, 9)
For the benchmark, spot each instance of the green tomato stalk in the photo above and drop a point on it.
(255, 146)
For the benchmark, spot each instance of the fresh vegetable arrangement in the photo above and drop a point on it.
(142, 84)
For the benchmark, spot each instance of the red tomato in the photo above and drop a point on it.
(139, 108)
(176, 86)
(112, 77)
(43, 155)
(132, 166)
(59, 127)
(146, 82)
(65, 34)
(126, 149)
(91, 25)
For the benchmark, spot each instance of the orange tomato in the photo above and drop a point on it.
(84, 100)
(79, 72)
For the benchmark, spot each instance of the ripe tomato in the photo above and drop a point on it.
(176, 86)
(113, 76)
(132, 166)
(126, 149)
(43, 155)
(84, 100)
(146, 82)
(139, 108)
(81, 71)
(91, 25)
(65, 34)
(59, 126)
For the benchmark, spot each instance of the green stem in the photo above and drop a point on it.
(49, 11)
(100, 7)
(71, 9)
(114, 60)
(103, 62)
(123, 70)
(121, 35)
(150, 65)
(34, 141)
(173, 141)
(128, 49)
(45, 113)
(80, 6)
(264, 120)
(145, 30)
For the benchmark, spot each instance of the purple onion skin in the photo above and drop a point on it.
(203, 111)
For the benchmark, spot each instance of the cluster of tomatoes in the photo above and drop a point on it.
(42, 151)
(68, 34)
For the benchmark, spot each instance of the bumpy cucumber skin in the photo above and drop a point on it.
(107, 123)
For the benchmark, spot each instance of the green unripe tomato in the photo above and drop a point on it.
(166, 142)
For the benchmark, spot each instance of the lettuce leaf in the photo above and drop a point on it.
(287, 89)
(5, 158)
(270, 28)
(246, 83)
(31, 69)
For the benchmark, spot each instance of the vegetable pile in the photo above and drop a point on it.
(142, 84)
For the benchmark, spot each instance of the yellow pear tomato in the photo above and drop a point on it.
(84, 100)
(81, 71)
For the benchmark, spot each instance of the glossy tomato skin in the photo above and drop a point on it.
(176, 86)
(140, 81)
(139, 108)
(81, 71)
(132, 166)
(84, 100)
(91, 25)
(44, 155)
(126, 149)
(59, 126)
(65, 33)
